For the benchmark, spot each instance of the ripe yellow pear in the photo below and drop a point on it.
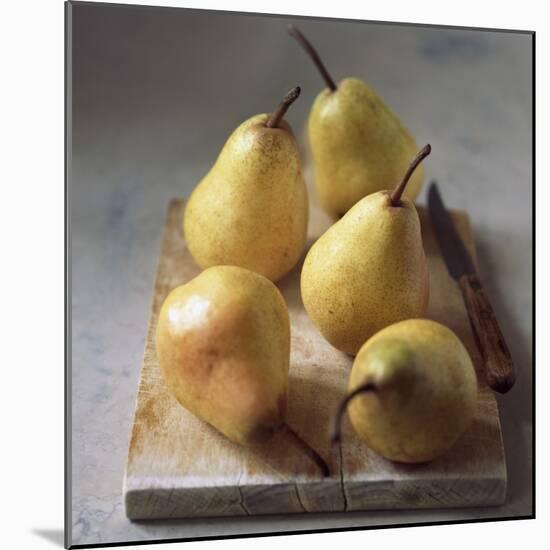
(359, 145)
(368, 270)
(412, 391)
(251, 209)
(223, 347)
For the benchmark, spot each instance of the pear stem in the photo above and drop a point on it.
(310, 451)
(288, 100)
(395, 196)
(306, 44)
(336, 432)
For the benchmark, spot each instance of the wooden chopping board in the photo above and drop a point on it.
(180, 467)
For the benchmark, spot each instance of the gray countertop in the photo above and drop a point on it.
(155, 93)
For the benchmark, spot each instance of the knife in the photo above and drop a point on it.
(499, 370)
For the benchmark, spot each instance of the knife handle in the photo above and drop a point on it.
(499, 370)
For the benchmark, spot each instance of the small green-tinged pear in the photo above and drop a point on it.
(412, 392)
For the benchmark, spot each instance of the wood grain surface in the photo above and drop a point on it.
(180, 467)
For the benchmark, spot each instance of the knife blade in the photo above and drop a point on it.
(498, 366)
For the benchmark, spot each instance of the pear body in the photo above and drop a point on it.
(223, 346)
(427, 391)
(359, 146)
(251, 209)
(367, 271)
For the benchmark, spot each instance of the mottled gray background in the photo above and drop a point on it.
(155, 93)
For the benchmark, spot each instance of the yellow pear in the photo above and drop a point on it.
(412, 391)
(251, 209)
(223, 347)
(359, 145)
(368, 270)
